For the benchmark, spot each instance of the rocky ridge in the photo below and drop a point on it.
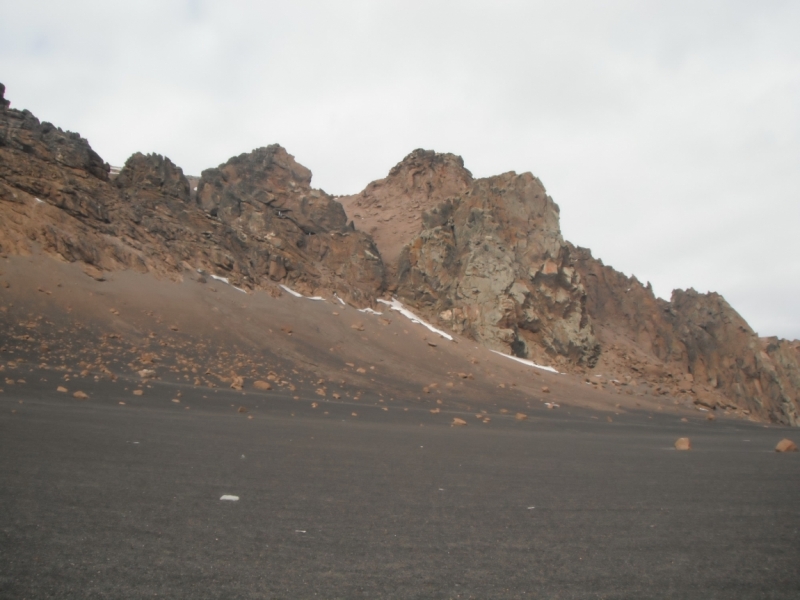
(489, 261)
(484, 258)
(256, 220)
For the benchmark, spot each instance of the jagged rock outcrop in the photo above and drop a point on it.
(695, 345)
(266, 197)
(55, 191)
(490, 260)
(155, 174)
(391, 209)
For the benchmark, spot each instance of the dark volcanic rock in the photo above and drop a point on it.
(153, 173)
(3, 102)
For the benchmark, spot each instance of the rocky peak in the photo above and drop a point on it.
(491, 263)
(390, 209)
(153, 173)
(253, 188)
(23, 132)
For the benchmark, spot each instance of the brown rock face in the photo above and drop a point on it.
(490, 260)
(696, 344)
(256, 218)
(390, 209)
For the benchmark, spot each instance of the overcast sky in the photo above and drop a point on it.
(667, 132)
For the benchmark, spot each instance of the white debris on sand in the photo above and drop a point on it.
(230, 498)
(530, 363)
(369, 311)
(395, 304)
(340, 300)
(224, 280)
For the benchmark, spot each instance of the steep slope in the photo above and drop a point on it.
(696, 345)
(257, 219)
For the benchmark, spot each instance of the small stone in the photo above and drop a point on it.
(458, 422)
(436, 411)
(520, 416)
(62, 389)
(786, 445)
(545, 389)
(138, 392)
(241, 409)
(262, 385)
(80, 395)
(683, 444)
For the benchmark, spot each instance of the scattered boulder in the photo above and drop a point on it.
(262, 385)
(786, 445)
(80, 395)
(458, 422)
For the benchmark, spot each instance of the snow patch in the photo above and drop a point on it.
(340, 300)
(292, 292)
(530, 363)
(39, 201)
(395, 304)
(229, 497)
(222, 279)
(299, 295)
(369, 311)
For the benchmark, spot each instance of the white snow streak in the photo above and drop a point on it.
(530, 363)
(395, 304)
(369, 311)
(299, 295)
(292, 292)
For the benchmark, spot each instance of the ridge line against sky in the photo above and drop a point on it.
(667, 132)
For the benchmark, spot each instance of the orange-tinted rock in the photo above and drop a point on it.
(683, 444)
(786, 445)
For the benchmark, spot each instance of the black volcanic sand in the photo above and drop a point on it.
(368, 494)
(108, 500)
